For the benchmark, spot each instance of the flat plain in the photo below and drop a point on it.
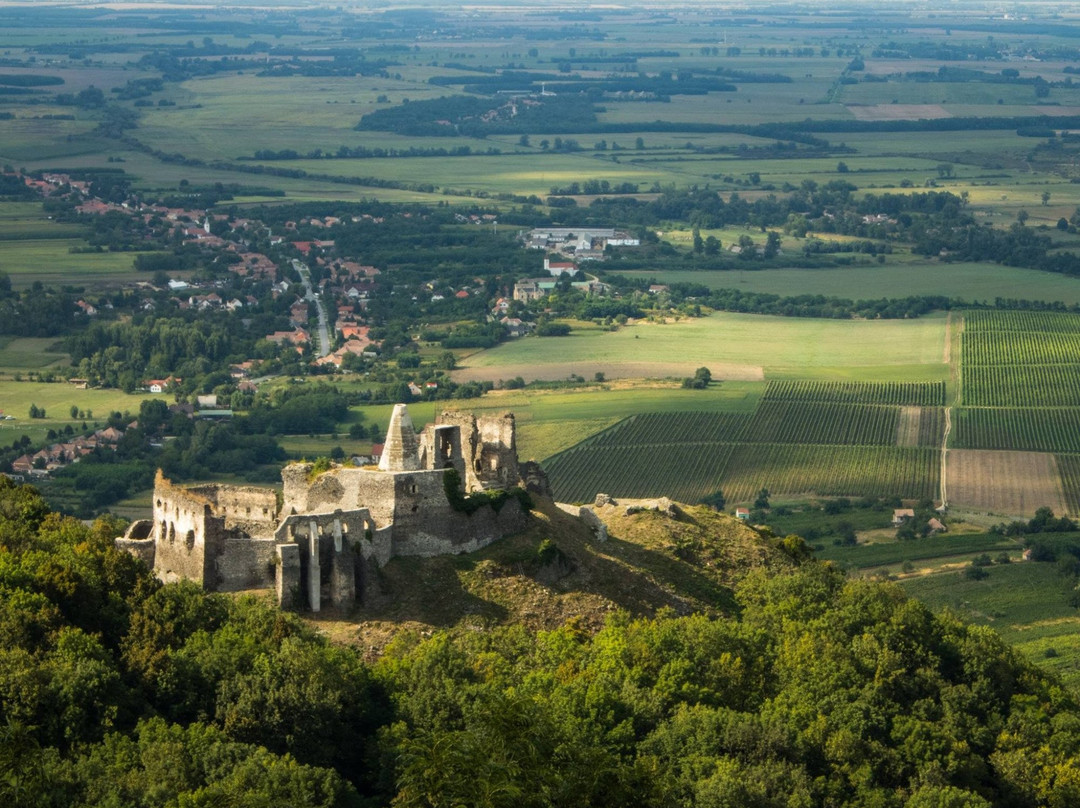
(738, 346)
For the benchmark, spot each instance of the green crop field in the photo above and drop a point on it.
(30, 353)
(973, 282)
(790, 447)
(732, 345)
(875, 555)
(925, 394)
(1025, 429)
(51, 261)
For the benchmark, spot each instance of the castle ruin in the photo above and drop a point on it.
(316, 543)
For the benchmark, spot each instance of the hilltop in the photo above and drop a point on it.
(656, 556)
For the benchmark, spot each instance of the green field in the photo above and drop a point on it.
(18, 355)
(57, 399)
(1026, 603)
(965, 281)
(740, 346)
(793, 447)
(548, 421)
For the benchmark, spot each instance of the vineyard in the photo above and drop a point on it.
(1016, 434)
(1047, 322)
(1020, 387)
(683, 472)
(667, 429)
(1020, 359)
(1039, 430)
(814, 422)
(1069, 468)
(803, 438)
(917, 394)
(854, 471)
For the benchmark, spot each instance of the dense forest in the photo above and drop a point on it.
(118, 690)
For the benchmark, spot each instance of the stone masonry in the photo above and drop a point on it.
(332, 526)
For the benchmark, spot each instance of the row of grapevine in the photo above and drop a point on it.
(1019, 348)
(832, 471)
(931, 426)
(1036, 430)
(1021, 386)
(815, 422)
(683, 472)
(1069, 469)
(1051, 322)
(662, 429)
(915, 394)
(688, 473)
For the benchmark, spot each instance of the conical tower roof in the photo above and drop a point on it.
(401, 451)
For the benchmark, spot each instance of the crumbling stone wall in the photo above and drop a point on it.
(244, 508)
(488, 449)
(497, 463)
(186, 533)
(343, 520)
(245, 563)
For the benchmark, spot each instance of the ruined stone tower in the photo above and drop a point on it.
(335, 524)
(400, 449)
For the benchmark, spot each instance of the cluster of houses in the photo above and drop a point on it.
(584, 243)
(533, 289)
(58, 455)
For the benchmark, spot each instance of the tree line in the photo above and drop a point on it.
(119, 690)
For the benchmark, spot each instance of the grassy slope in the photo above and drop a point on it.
(636, 570)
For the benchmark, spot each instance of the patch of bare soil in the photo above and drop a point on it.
(1014, 483)
(907, 431)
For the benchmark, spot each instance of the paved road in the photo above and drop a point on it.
(313, 297)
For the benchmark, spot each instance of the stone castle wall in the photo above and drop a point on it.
(343, 520)
(244, 508)
(184, 528)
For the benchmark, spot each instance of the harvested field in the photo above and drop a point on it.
(554, 371)
(898, 112)
(1015, 483)
(907, 431)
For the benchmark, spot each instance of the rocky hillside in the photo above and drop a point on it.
(655, 555)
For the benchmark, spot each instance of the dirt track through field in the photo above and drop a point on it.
(907, 429)
(1014, 483)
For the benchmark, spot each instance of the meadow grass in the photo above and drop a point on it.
(52, 262)
(18, 354)
(779, 346)
(518, 174)
(1025, 602)
(57, 398)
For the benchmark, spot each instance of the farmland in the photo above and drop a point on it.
(736, 346)
(1013, 444)
(792, 447)
(974, 282)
